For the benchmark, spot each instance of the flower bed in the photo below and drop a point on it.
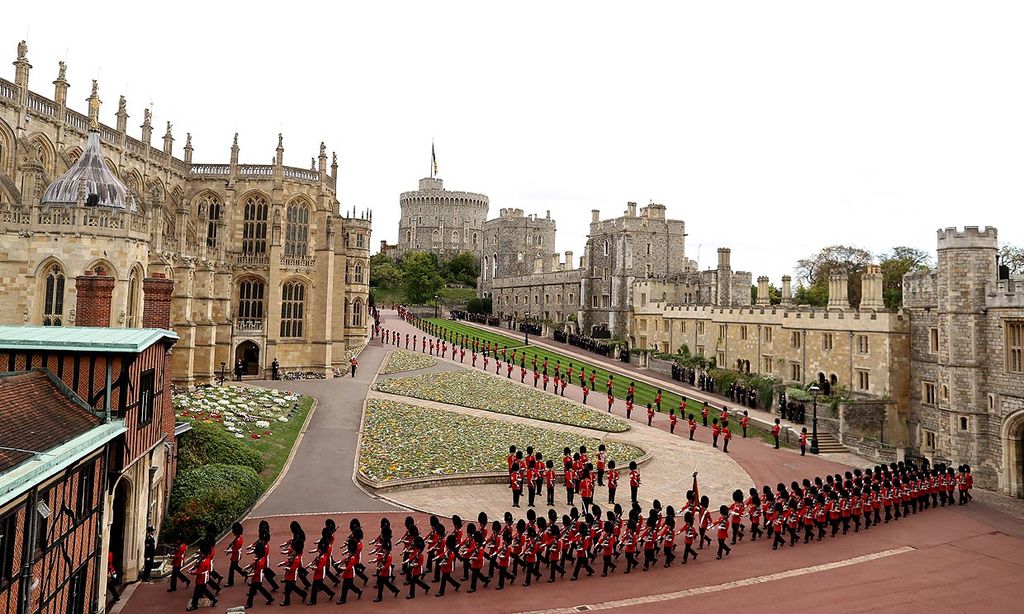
(403, 441)
(402, 360)
(246, 411)
(482, 391)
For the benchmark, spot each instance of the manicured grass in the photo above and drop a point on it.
(275, 450)
(407, 441)
(644, 393)
(481, 391)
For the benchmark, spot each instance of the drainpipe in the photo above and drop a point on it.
(106, 396)
(28, 555)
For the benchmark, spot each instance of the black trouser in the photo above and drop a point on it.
(477, 575)
(649, 556)
(289, 588)
(551, 494)
(568, 496)
(755, 530)
(688, 551)
(516, 494)
(670, 555)
(963, 497)
(631, 561)
(744, 432)
(856, 524)
(846, 524)
(257, 587)
(793, 538)
(691, 435)
(147, 569)
(319, 586)
(198, 592)
(808, 532)
(532, 571)
(737, 532)
(778, 540)
(776, 438)
(821, 529)
(553, 567)
(361, 572)
(835, 525)
(714, 441)
(632, 493)
(446, 578)
(587, 502)
(269, 575)
(177, 575)
(414, 581)
(531, 494)
(385, 582)
(611, 495)
(231, 573)
(600, 480)
(348, 584)
(112, 587)
(582, 562)
(608, 564)
(502, 574)
(722, 546)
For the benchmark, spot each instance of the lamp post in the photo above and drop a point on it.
(814, 390)
(437, 306)
(223, 366)
(526, 329)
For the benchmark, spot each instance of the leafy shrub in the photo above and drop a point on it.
(209, 499)
(207, 444)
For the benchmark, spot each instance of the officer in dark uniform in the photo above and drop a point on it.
(149, 554)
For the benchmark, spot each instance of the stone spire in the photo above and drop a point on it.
(312, 164)
(188, 148)
(334, 165)
(279, 160)
(147, 126)
(168, 140)
(122, 115)
(94, 106)
(322, 166)
(60, 85)
(21, 66)
(234, 150)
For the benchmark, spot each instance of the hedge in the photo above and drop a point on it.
(207, 499)
(208, 444)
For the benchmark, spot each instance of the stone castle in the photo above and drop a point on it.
(263, 263)
(440, 221)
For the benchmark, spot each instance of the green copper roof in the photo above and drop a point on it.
(81, 338)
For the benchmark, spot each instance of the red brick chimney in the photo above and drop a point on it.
(156, 300)
(93, 303)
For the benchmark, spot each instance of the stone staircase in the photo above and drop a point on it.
(828, 444)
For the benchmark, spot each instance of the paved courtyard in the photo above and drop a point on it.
(948, 559)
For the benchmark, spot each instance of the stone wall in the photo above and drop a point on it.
(440, 221)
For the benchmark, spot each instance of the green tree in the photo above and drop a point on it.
(384, 273)
(814, 271)
(463, 269)
(422, 278)
(479, 305)
(774, 294)
(896, 263)
(1012, 256)
(814, 296)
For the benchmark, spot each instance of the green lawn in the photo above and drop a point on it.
(275, 450)
(643, 395)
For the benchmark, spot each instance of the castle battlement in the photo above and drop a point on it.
(970, 236)
(1004, 293)
(508, 212)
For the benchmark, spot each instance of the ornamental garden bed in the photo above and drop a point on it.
(402, 441)
(267, 421)
(481, 391)
(402, 360)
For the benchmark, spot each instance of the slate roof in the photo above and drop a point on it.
(37, 414)
(81, 338)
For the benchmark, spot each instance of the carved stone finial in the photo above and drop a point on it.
(22, 51)
(61, 69)
(94, 106)
(122, 105)
(168, 130)
(334, 158)
(323, 149)
(280, 141)
(312, 164)
(188, 140)
(95, 88)
(234, 143)
(147, 117)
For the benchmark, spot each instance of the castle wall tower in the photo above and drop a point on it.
(440, 221)
(512, 244)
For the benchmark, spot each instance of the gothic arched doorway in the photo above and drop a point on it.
(249, 353)
(119, 520)
(1013, 455)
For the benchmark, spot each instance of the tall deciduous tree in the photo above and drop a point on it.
(1013, 257)
(422, 277)
(814, 271)
(896, 263)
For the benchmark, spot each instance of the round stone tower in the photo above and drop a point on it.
(440, 221)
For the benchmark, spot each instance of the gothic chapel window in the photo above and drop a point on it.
(292, 307)
(297, 230)
(211, 205)
(254, 226)
(53, 297)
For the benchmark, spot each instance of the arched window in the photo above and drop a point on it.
(254, 226)
(606, 247)
(132, 320)
(250, 303)
(293, 296)
(494, 266)
(297, 230)
(210, 208)
(53, 297)
(408, 236)
(357, 312)
(455, 236)
(475, 239)
(359, 273)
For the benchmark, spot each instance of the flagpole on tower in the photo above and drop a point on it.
(433, 160)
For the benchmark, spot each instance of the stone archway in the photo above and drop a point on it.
(121, 519)
(1013, 454)
(249, 353)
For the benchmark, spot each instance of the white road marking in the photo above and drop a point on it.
(715, 588)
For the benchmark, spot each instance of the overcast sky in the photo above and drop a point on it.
(773, 128)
